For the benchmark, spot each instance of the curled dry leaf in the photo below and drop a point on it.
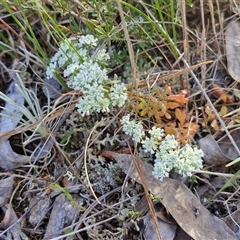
(168, 231)
(233, 49)
(15, 233)
(10, 116)
(226, 146)
(38, 209)
(209, 188)
(10, 216)
(10, 221)
(220, 152)
(212, 152)
(64, 213)
(6, 187)
(229, 220)
(8, 158)
(179, 201)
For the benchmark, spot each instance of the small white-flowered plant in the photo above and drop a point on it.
(85, 71)
(168, 156)
(132, 128)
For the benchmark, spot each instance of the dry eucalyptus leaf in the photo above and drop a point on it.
(226, 146)
(15, 233)
(10, 116)
(64, 214)
(180, 235)
(210, 187)
(10, 216)
(220, 152)
(10, 224)
(6, 187)
(212, 152)
(179, 201)
(8, 158)
(168, 231)
(38, 209)
(229, 220)
(233, 49)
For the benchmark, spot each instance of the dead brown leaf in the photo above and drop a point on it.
(6, 187)
(168, 231)
(38, 209)
(64, 213)
(212, 152)
(8, 158)
(229, 220)
(233, 49)
(10, 116)
(10, 217)
(220, 152)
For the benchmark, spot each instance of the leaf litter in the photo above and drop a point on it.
(188, 212)
(181, 203)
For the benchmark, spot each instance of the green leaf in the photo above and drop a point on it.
(73, 25)
(236, 93)
(223, 111)
(233, 162)
(67, 137)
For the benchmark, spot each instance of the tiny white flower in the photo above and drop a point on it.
(118, 94)
(103, 105)
(189, 159)
(71, 69)
(149, 145)
(132, 128)
(168, 143)
(137, 134)
(63, 47)
(125, 119)
(102, 56)
(88, 40)
(72, 38)
(84, 106)
(157, 133)
(161, 170)
(50, 69)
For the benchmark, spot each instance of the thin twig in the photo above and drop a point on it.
(129, 44)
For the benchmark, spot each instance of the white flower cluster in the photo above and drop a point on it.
(167, 155)
(84, 67)
(132, 128)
